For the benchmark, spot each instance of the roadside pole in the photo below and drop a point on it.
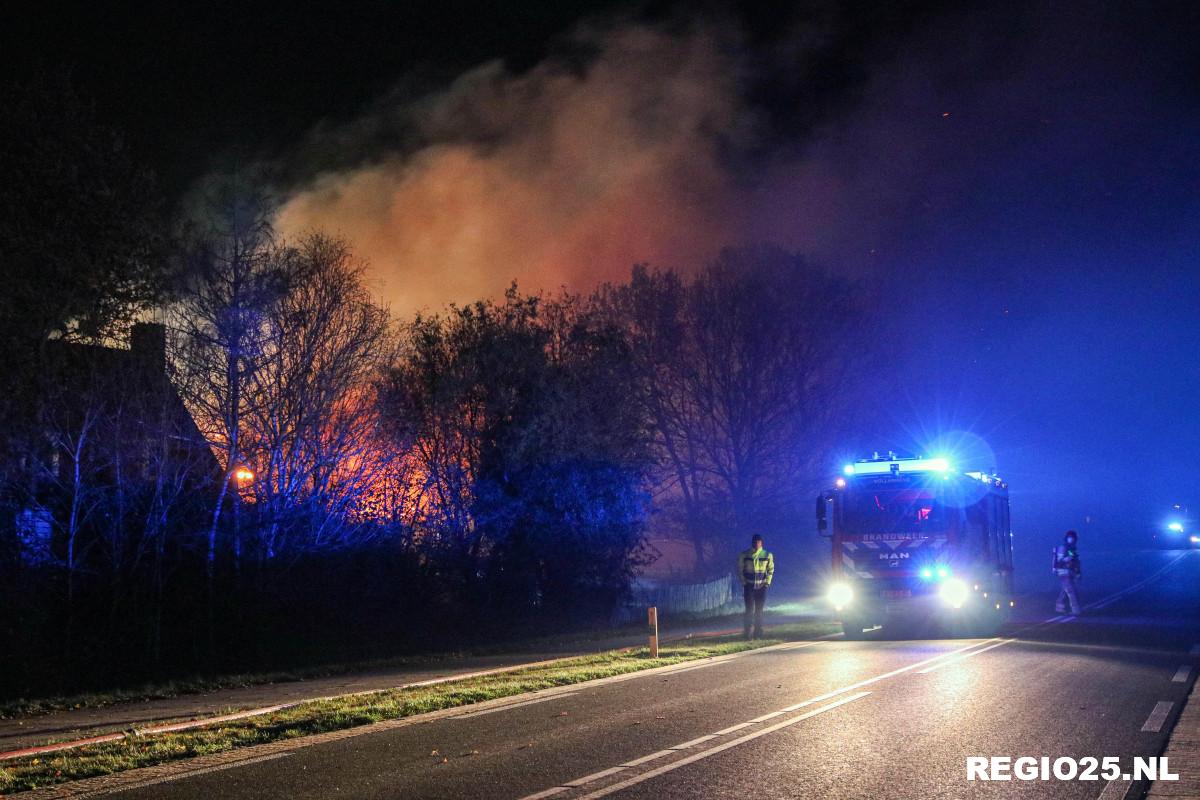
(652, 614)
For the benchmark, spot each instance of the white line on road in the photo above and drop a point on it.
(639, 761)
(547, 793)
(1182, 674)
(192, 774)
(1116, 789)
(1158, 716)
(1112, 598)
(534, 701)
(712, 751)
(795, 707)
(963, 657)
(693, 742)
(595, 776)
(698, 666)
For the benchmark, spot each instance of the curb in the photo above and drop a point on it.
(172, 770)
(175, 727)
(1183, 754)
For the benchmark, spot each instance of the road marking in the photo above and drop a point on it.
(1182, 674)
(1112, 598)
(963, 657)
(1116, 789)
(534, 701)
(712, 751)
(694, 742)
(206, 770)
(547, 793)
(771, 715)
(639, 761)
(595, 776)
(1158, 716)
(697, 666)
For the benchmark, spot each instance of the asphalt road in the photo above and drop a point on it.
(868, 719)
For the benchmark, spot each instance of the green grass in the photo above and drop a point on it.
(200, 684)
(362, 709)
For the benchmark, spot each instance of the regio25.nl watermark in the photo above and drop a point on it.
(1065, 768)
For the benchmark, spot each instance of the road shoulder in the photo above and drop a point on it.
(1183, 756)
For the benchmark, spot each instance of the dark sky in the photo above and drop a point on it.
(194, 84)
(1020, 181)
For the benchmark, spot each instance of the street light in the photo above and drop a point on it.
(243, 475)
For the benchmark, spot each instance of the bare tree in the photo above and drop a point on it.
(235, 273)
(311, 433)
(739, 369)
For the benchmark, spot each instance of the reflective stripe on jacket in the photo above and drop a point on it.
(756, 568)
(1066, 560)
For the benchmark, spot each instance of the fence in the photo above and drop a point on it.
(695, 598)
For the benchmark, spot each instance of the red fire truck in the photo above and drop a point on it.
(916, 540)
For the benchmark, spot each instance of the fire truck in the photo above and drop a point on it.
(914, 540)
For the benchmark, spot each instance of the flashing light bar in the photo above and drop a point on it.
(899, 465)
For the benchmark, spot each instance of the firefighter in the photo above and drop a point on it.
(1066, 567)
(756, 567)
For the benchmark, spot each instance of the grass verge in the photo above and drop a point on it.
(361, 709)
(202, 684)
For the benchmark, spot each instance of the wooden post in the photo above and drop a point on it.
(652, 613)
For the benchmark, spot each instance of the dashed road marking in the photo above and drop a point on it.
(205, 771)
(652, 757)
(963, 657)
(772, 715)
(595, 776)
(712, 751)
(1182, 674)
(1158, 716)
(1116, 789)
(1112, 598)
(693, 742)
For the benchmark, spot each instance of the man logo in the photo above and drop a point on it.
(893, 557)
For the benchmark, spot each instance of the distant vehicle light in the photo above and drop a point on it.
(840, 595)
(840, 483)
(848, 469)
(1176, 526)
(954, 592)
(1194, 539)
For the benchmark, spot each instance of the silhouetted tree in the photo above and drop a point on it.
(519, 420)
(740, 372)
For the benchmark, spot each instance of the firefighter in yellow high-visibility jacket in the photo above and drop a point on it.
(755, 568)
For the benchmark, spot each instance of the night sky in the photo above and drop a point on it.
(1018, 182)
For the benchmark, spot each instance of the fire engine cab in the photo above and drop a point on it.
(913, 539)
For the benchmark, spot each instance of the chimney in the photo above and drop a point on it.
(148, 340)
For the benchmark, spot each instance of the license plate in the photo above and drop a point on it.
(896, 594)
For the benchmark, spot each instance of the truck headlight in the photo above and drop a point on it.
(840, 595)
(954, 592)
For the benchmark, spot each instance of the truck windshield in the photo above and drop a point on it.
(868, 510)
